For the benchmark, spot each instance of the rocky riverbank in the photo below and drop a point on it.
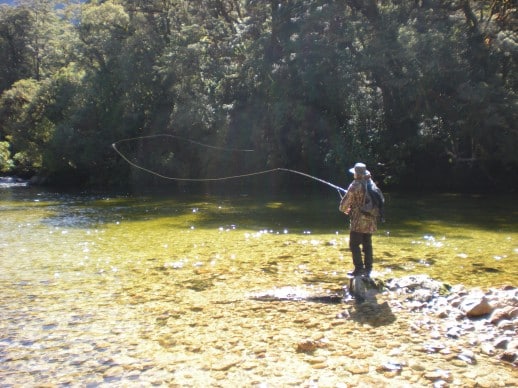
(447, 325)
(487, 321)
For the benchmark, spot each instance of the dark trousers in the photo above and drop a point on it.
(365, 240)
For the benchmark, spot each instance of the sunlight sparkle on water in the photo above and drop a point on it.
(154, 294)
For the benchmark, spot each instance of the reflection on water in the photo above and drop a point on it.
(151, 290)
(10, 182)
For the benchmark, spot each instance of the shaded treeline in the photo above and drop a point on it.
(423, 91)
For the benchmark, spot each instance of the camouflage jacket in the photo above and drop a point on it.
(351, 204)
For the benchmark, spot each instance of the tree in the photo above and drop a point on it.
(311, 85)
(23, 128)
(15, 27)
(36, 40)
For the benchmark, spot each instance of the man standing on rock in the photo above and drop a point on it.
(363, 217)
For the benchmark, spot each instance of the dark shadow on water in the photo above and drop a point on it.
(299, 294)
(410, 213)
(392, 267)
(317, 212)
(295, 213)
(325, 299)
(199, 284)
(480, 268)
(372, 313)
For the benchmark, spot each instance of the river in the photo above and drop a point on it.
(100, 289)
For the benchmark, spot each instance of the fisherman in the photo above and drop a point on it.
(362, 223)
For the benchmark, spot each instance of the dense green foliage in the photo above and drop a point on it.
(422, 91)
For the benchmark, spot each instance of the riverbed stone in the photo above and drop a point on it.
(467, 356)
(501, 342)
(513, 344)
(507, 312)
(508, 356)
(307, 346)
(443, 313)
(487, 349)
(357, 368)
(320, 365)
(506, 325)
(227, 362)
(439, 375)
(476, 306)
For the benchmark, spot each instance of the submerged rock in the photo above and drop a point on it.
(310, 345)
(297, 294)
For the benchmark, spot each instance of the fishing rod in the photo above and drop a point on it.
(127, 160)
(338, 188)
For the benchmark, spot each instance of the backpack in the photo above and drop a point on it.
(374, 201)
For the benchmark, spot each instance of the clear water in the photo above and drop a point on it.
(456, 238)
(86, 277)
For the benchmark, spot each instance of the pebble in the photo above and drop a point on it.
(487, 382)
(487, 349)
(115, 371)
(357, 368)
(249, 365)
(322, 365)
(458, 363)
(226, 363)
(467, 356)
(392, 366)
(501, 342)
(362, 355)
(415, 365)
(438, 375)
(315, 360)
(508, 356)
(506, 324)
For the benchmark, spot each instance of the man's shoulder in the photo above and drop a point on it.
(355, 185)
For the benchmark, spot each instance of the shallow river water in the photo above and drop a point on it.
(155, 291)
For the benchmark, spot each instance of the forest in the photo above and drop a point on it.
(422, 91)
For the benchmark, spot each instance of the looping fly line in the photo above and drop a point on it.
(127, 160)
